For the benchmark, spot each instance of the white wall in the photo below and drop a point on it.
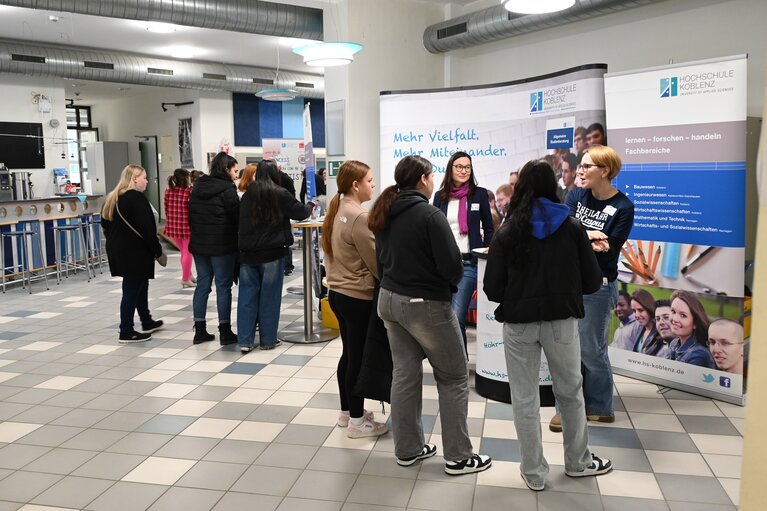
(679, 30)
(16, 106)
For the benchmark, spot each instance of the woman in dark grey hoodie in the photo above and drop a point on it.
(540, 265)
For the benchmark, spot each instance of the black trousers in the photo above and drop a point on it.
(135, 298)
(353, 316)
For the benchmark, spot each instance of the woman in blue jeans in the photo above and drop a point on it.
(467, 207)
(540, 264)
(264, 237)
(607, 214)
(214, 210)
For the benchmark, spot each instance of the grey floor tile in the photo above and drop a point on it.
(127, 496)
(24, 486)
(27, 380)
(50, 435)
(166, 424)
(614, 437)
(558, 481)
(73, 492)
(188, 499)
(10, 506)
(294, 504)
(71, 398)
(10, 410)
(697, 506)
(123, 421)
(384, 464)
(130, 388)
(629, 504)
(234, 501)
(146, 404)
(187, 447)
(81, 417)
(15, 456)
(190, 377)
(41, 414)
(237, 411)
(286, 455)
(303, 435)
(274, 413)
(266, 480)
(243, 368)
(60, 461)
(706, 490)
(292, 360)
(139, 443)
(500, 449)
(314, 484)
(353, 506)
(557, 501)
(111, 402)
(31, 396)
(386, 491)
(236, 451)
(330, 459)
(109, 465)
(666, 441)
(625, 459)
(94, 439)
(491, 497)
(321, 400)
(707, 425)
(212, 475)
(90, 371)
(441, 496)
(209, 392)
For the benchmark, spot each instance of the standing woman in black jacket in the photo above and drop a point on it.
(540, 265)
(214, 211)
(264, 237)
(132, 247)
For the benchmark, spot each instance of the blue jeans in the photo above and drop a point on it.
(135, 297)
(595, 363)
(462, 297)
(259, 302)
(222, 268)
(522, 346)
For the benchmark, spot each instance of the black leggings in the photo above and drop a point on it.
(353, 316)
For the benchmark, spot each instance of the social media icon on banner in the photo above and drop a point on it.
(725, 382)
(708, 377)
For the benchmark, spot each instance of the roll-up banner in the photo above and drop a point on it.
(680, 131)
(289, 154)
(502, 126)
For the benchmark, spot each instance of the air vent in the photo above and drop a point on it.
(28, 58)
(460, 28)
(213, 76)
(99, 65)
(305, 85)
(263, 81)
(158, 71)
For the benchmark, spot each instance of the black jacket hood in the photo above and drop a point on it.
(406, 200)
(210, 186)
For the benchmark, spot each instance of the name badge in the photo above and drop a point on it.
(610, 210)
(475, 206)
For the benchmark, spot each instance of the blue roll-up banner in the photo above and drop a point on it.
(680, 131)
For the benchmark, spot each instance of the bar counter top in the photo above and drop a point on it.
(48, 208)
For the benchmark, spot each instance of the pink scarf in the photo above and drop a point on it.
(461, 193)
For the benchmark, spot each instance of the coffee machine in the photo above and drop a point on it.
(6, 184)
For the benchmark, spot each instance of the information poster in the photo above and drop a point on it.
(502, 127)
(289, 154)
(681, 133)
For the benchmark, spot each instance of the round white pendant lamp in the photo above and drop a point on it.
(537, 6)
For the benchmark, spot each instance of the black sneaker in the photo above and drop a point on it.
(151, 326)
(428, 451)
(288, 273)
(134, 336)
(598, 466)
(477, 463)
(270, 346)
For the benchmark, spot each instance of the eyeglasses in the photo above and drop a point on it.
(462, 168)
(588, 166)
(722, 344)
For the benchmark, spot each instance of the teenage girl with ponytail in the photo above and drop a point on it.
(350, 261)
(177, 220)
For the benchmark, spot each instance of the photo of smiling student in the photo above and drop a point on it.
(725, 341)
(689, 324)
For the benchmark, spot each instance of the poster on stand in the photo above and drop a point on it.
(502, 126)
(289, 154)
(680, 131)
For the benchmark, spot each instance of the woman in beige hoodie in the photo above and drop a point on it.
(350, 261)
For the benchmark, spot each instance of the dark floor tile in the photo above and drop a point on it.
(708, 425)
(666, 441)
(166, 424)
(614, 437)
(500, 449)
(706, 490)
(188, 499)
(243, 368)
(127, 496)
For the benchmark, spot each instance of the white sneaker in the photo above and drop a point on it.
(598, 466)
(368, 428)
(477, 463)
(343, 418)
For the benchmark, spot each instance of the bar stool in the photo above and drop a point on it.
(94, 248)
(24, 238)
(67, 261)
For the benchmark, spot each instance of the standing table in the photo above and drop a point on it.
(307, 331)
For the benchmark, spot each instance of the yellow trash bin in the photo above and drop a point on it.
(328, 318)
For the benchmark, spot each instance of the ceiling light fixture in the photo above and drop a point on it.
(182, 52)
(328, 54)
(536, 6)
(161, 28)
(278, 93)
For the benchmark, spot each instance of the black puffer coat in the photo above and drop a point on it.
(130, 255)
(214, 212)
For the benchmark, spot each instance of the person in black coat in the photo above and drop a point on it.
(132, 247)
(214, 210)
(264, 237)
(286, 182)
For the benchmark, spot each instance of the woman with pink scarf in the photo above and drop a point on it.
(467, 207)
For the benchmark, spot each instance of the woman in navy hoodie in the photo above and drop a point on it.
(540, 265)
(466, 206)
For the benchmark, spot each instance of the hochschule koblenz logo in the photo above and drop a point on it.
(536, 101)
(702, 82)
(669, 87)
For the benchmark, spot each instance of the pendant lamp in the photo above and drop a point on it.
(536, 6)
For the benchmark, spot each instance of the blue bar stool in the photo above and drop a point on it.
(24, 238)
(65, 262)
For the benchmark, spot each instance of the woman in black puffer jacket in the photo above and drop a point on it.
(214, 210)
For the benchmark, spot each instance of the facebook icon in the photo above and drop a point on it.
(725, 382)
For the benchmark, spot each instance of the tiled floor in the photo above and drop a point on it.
(86, 423)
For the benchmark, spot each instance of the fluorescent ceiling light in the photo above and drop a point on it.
(277, 94)
(536, 6)
(328, 54)
(161, 28)
(182, 52)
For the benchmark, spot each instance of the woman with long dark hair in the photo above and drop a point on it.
(467, 207)
(350, 260)
(420, 267)
(540, 264)
(214, 211)
(647, 340)
(265, 235)
(689, 324)
(177, 196)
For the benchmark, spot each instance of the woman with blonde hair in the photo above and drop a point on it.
(350, 260)
(248, 176)
(132, 247)
(177, 220)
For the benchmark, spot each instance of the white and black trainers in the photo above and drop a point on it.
(477, 463)
(428, 451)
(598, 466)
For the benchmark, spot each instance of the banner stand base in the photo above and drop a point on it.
(736, 400)
(499, 390)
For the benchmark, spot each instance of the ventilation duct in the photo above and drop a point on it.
(85, 64)
(246, 16)
(495, 23)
